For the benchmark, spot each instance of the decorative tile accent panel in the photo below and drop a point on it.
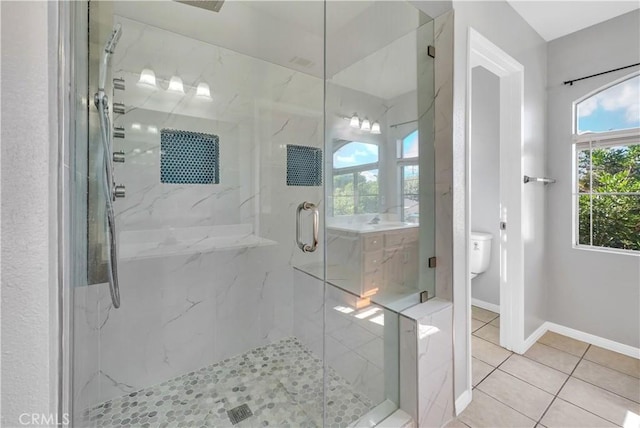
(304, 166)
(189, 157)
(279, 384)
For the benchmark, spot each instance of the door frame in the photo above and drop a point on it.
(482, 52)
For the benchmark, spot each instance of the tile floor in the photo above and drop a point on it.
(282, 384)
(558, 382)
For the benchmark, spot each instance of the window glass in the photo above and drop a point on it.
(609, 196)
(614, 108)
(354, 154)
(410, 193)
(410, 145)
(343, 194)
(367, 192)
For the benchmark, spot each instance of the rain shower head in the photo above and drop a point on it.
(212, 5)
(109, 48)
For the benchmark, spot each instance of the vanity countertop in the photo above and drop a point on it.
(363, 228)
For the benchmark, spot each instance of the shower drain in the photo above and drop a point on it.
(239, 414)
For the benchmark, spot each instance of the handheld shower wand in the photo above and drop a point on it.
(108, 185)
(109, 49)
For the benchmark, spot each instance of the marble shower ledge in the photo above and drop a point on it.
(156, 243)
(364, 228)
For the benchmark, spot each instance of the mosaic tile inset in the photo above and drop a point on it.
(281, 383)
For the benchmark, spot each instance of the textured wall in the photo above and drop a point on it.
(29, 154)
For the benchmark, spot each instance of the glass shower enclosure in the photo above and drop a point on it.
(270, 170)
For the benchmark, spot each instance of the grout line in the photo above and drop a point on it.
(604, 389)
(494, 368)
(611, 368)
(563, 385)
(555, 349)
(524, 381)
(576, 366)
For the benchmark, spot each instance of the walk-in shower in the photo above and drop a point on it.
(278, 213)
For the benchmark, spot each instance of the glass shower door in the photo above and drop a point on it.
(218, 116)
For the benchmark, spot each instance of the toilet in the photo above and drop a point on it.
(480, 252)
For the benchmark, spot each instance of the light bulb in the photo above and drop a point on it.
(366, 126)
(355, 121)
(375, 128)
(147, 78)
(175, 85)
(203, 90)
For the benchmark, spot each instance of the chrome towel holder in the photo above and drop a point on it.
(544, 180)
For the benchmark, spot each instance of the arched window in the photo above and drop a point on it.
(607, 167)
(355, 178)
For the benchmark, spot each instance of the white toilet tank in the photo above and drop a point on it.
(480, 252)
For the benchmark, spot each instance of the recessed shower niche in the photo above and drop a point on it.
(236, 305)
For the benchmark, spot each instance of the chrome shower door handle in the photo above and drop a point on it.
(308, 206)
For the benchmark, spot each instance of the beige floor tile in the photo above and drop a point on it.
(517, 394)
(609, 379)
(495, 322)
(488, 352)
(475, 324)
(598, 401)
(489, 333)
(480, 370)
(564, 343)
(552, 357)
(537, 374)
(456, 423)
(482, 314)
(485, 411)
(565, 415)
(614, 360)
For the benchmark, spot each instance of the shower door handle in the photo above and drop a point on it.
(307, 206)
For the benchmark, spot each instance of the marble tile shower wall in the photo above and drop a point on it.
(182, 312)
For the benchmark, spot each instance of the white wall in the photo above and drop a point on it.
(591, 291)
(498, 22)
(29, 165)
(485, 176)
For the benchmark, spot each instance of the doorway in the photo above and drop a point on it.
(488, 65)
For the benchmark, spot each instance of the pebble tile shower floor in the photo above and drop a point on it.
(281, 383)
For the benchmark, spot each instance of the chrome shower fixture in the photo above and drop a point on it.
(212, 5)
(109, 188)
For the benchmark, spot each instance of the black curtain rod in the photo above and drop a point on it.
(570, 82)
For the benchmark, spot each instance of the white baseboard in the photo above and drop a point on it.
(463, 401)
(593, 339)
(533, 337)
(486, 305)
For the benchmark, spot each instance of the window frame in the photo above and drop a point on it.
(591, 141)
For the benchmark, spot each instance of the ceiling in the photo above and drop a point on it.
(554, 19)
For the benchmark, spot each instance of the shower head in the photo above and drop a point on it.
(212, 5)
(113, 39)
(109, 48)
